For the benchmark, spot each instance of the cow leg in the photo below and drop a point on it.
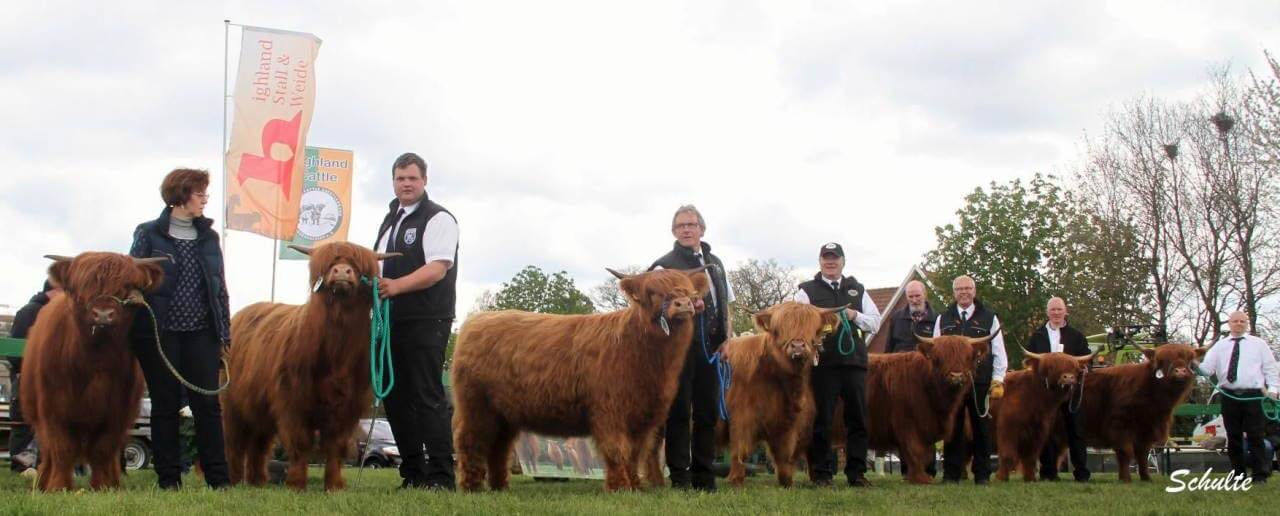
(472, 438)
(1140, 452)
(1028, 459)
(653, 458)
(499, 456)
(104, 470)
(641, 451)
(257, 449)
(55, 470)
(1006, 464)
(335, 448)
(1124, 455)
(299, 445)
(741, 440)
(235, 447)
(783, 449)
(614, 451)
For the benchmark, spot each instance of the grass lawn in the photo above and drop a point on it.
(376, 493)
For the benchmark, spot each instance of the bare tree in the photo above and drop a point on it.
(607, 296)
(758, 285)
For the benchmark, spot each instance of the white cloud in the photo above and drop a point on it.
(563, 134)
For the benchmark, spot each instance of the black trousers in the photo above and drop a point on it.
(953, 451)
(1079, 453)
(690, 454)
(20, 436)
(418, 409)
(830, 384)
(197, 355)
(1244, 421)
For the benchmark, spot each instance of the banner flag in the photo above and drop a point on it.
(325, 212)
(274, 95)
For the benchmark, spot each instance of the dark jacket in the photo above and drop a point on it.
(23, 320)
(435, 302)
(1073, 342)
(903, 329)
(152, 239)
(840, 348)
(712, 321)
(978, 325)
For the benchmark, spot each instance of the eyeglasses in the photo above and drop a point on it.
(201, 195)
(686, 225)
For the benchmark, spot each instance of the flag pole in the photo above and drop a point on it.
(222, 154)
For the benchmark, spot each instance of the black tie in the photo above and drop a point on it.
(1235, 360)
(964, 315)
(391, 239)
(835, 285)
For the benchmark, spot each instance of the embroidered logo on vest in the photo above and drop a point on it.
(410, 236)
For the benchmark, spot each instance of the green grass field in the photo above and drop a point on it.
(375, 493)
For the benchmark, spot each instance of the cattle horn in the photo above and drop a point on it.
(153, 259)
(617, 274)
(983, 340)
(922, 338)
(1029, 354)
(301, 249)
(58, 257)
(384, 256)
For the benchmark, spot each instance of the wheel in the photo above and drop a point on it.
(375, 462)
(137, 455)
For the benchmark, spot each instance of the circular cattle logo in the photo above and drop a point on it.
(321, 213)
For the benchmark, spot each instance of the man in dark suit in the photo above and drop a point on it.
(1057, 336)
(916, 318)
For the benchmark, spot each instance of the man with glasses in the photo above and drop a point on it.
(699, 390)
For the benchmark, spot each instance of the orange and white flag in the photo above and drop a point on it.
(275, 93)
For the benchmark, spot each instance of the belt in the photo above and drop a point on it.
(1242, 393)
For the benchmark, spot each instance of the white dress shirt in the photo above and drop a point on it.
(1001, 364)
(1055, 338)
(439, 240)
(1256, 369)
(868, 318)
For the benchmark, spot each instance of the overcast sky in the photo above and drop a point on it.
(564, 134)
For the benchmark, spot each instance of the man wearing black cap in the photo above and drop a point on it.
(690, 453)
(421, 285)
(841, 371)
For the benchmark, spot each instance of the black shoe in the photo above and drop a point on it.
(859, 482)
(1046, 478)
(946, 480)
(1260, 479)
(982, 481)
(440, 487)
(414, 483)
(822, 482)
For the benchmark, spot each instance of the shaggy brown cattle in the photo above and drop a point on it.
(1025, 416)
(302, 372)
(769, 397)
(81, 383)
(611, 376)
(912, 398)
(1129, 407)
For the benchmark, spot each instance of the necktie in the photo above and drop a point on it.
(391, 239)
(1235, 360)
(964, 315)
(835, 285)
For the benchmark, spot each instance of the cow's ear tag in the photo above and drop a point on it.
(319, 282)
(662, 321)
(815, 361)
(1159, 373)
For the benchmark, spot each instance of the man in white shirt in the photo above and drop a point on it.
(968, 317)
(1245, 368)
(421, 284)
(841, 372)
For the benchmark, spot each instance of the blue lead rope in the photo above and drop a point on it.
(381, 373)
(724, 372)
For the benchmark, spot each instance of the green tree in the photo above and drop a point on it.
(532, 290)
(1024, 243)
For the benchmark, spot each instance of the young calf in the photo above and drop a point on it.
(1026, 414)
(769, 397)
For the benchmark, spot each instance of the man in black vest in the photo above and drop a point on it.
(1056, 336)
(699, 389)
(841, 371)
(917, 318)
(968, 317)
(421, 284)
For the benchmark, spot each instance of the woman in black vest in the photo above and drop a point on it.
(841, 372)
(193, 314)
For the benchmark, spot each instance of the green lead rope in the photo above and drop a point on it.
(845, 329)
(1270, 406)
(382, 375)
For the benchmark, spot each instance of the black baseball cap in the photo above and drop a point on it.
(831, 248)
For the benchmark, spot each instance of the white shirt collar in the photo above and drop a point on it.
(411, 208)
(968, 310)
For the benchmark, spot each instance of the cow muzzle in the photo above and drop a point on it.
(956, 378)
(679, 306)
(797, 350)
(1067, 381)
